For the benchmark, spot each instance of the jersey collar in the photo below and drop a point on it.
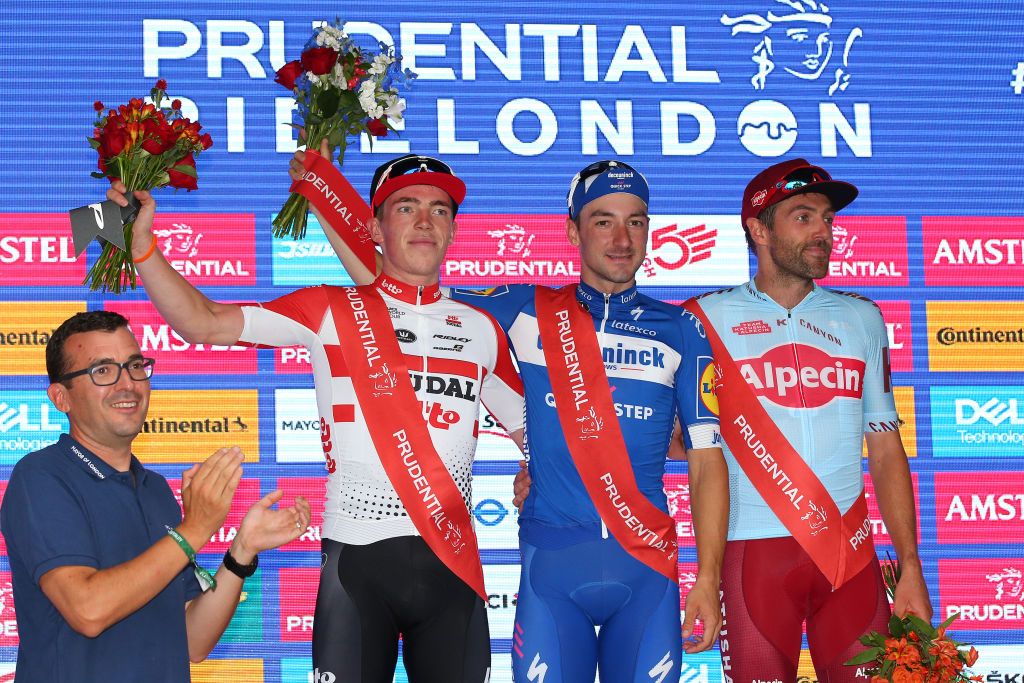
(410, 294)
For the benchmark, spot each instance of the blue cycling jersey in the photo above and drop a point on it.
(821, 371)
(655, 357)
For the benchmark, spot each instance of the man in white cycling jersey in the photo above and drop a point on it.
(400, 371)
(802, 377)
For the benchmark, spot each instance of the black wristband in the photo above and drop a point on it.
(242, 571)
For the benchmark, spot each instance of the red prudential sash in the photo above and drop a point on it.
(394, 417)
(339, 203)
(840, 545)
(585, 410)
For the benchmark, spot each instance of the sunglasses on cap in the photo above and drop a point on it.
(404, 171)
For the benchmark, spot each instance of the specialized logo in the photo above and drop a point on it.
(803, 376)
(797, 37)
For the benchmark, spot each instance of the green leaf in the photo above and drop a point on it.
(896, 627)
(869, 655)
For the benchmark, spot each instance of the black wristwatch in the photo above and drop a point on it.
(242, 571)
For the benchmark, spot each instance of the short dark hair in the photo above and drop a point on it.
(88, 321)
(768, 218)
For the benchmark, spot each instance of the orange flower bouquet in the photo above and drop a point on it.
(914, 651)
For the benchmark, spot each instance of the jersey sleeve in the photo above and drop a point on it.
(503, 303)
(696, 402)
(290, 320)
(44, 523)
(879, 402)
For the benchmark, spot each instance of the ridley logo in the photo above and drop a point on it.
(803, 376)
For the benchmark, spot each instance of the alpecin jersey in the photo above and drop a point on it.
(457, 356)
(654, 357)
(821, 371)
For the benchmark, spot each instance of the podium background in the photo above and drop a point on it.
(918, 103)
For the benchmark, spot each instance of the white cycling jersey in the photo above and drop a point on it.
(456, 354)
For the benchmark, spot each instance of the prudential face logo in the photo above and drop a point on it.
(977, 421)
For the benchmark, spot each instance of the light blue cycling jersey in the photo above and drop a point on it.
(655, 357)
(821, 370)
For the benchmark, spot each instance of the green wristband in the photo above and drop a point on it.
(205, 578)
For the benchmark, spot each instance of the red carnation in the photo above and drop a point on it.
(377, 128)
(319, 60)
(288, 74)
(183, 181)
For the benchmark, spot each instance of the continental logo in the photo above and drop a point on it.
(187, 426)
(25, 327)
(220, 670)
(904, 397)
(37, 247)
(976, 336)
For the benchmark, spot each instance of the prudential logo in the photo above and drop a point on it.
(977, 421)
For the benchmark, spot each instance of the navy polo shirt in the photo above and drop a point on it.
(65, 506)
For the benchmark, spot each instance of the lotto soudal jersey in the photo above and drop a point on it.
(654, 356)
(821, 371)
(456, 355)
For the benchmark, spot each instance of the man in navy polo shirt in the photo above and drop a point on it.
(102, 560)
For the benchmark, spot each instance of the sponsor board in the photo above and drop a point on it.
(901, 341)
(173, 354)
(694, 251)
(979, 251)
(297, 426)
(511, 248)
(976, 335)
(8, 622)
(298, 587)
(309, 261)
(904, 399)
(977, 422)
(493, 442)
(37, 247)
(868, 251)
(677, 490)
(209, 248)
(25, 327)
(979, 507)
(495, 518)
(220, 670)
(878, 529)
(188, 426)
(987, 593)
(502, 582)
(247, 493)
(312, 488)
(28, 422)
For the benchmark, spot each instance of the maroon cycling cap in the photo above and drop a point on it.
(414, 169)
(788, 179)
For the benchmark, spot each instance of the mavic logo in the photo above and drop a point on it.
(662, 668)
(538, 670)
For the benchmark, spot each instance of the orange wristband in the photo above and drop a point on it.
(149, 252)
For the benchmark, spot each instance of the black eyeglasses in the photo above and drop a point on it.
(401, 166)
(107, 373)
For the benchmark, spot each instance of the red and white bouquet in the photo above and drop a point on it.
(146, 145)
(341, 91)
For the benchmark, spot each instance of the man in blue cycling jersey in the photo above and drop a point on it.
(598, 545)
(803, 379)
